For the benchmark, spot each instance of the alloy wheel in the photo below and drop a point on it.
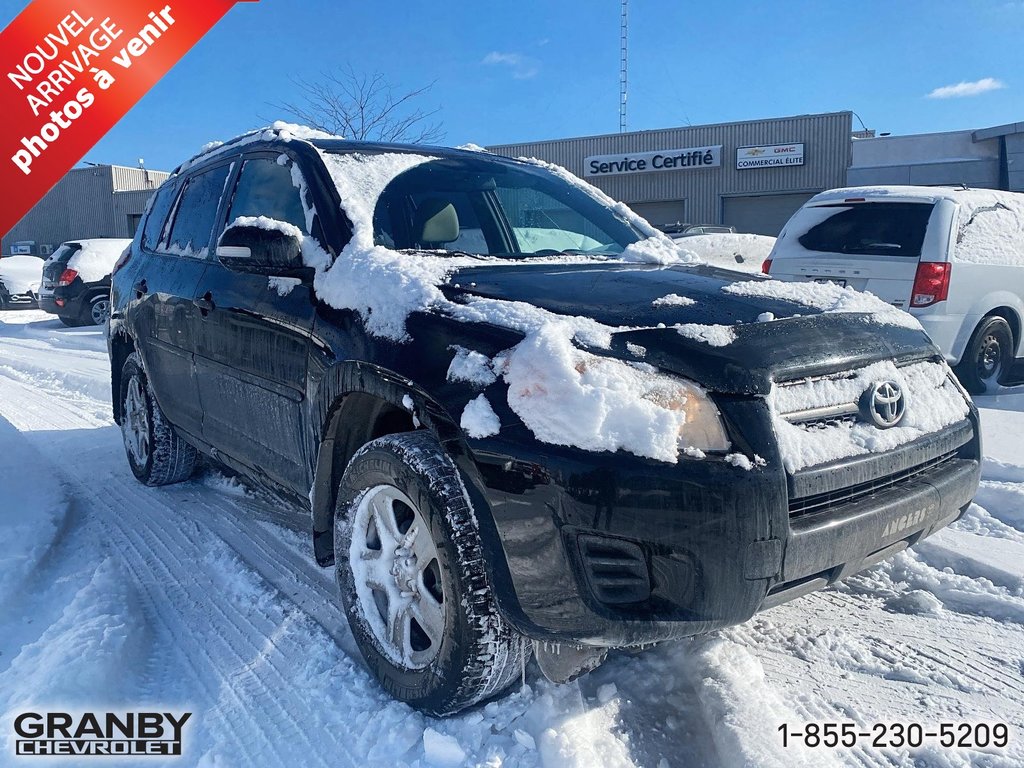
(100, 311)
(397, 577)
(135, 425)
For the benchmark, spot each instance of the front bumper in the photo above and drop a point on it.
(615, 550)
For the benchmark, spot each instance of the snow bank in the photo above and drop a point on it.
(745, 253)
(21, 274)
(31, 513)
(742, 711)
(82, 658)
(97, 258)
(827, 297)
(934, 401)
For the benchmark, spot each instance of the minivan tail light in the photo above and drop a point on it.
(766, 266)
(67, 277)
(931, 283)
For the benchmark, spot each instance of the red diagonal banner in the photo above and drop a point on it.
(69, 70)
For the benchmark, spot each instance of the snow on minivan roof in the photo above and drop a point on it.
(924, 194)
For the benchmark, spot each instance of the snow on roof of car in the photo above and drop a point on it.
(97, 257)
(963, 195)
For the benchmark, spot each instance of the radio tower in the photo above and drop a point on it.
(623, 60)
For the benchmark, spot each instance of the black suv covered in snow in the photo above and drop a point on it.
(522, 420)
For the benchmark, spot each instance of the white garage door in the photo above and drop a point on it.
(662, 212)
(761, 214)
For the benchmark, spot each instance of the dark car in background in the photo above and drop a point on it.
(76, 280)
(455, 461)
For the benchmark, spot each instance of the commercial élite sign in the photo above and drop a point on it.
(659, 160)
(771, 156)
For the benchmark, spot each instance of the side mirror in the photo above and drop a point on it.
(265, 251)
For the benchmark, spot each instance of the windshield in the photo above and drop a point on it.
(494, 209)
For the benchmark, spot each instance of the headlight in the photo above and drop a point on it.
(702, 429)
(569, 396)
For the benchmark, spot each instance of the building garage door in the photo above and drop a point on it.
(761, 214)
(662, 212)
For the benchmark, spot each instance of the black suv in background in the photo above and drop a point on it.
(76, 280)
(508, 421)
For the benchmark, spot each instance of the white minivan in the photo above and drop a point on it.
(953, 257)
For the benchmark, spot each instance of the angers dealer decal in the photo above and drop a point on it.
(109, 734)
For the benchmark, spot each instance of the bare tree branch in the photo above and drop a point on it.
(365, 107)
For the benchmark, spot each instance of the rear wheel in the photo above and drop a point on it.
(156, 455)
(988, 356)
(410, 566)
(97, 311)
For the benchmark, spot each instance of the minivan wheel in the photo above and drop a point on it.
(98, 311)
(156, 455)
(988, 356)
(410, 568)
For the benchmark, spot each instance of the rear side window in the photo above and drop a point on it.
(63, 254)
(157, 216)
(872, 229)
(196, 212)
(265, 188)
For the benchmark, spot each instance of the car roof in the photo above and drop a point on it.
(279, 136)
(901, 193)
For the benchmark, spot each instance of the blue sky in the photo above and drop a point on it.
(529, 70)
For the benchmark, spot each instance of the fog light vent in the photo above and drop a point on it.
(616, 570)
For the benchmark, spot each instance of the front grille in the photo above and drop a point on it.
(820, 502)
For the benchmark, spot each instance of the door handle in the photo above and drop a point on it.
(141, 289)
(204, 302)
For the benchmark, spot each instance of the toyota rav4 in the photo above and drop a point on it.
(519, 419)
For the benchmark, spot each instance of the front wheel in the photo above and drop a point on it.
(156, 455)
(410, 567)
(987, 358)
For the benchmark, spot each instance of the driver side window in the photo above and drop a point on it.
(265, 188)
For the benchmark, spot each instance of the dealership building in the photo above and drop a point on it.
(94, 201)
(754, 175)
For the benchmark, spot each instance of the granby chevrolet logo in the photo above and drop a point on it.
(108, 734)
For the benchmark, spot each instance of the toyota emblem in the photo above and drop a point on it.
(884, 404)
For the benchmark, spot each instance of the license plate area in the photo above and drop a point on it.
(841, 282)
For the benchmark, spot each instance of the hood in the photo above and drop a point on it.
(802, 341)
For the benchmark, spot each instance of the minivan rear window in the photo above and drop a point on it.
(874, 229)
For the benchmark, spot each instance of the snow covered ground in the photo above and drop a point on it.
(203, 597)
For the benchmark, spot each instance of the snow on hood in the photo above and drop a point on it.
(97, 258)
(826, 297)
(21, 274)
